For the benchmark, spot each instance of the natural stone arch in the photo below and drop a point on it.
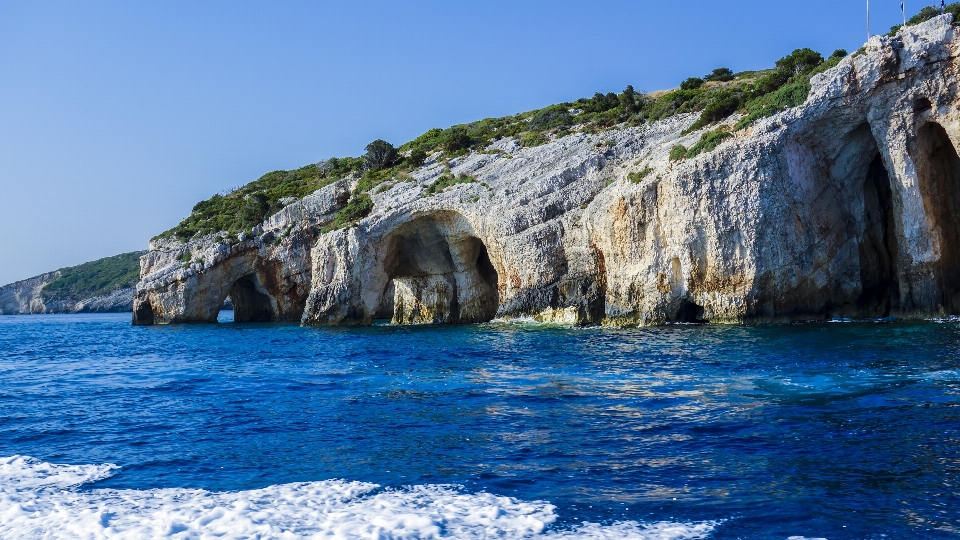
(859, 166)
(260, 289)
(849, 224)
(434, 269)
(938, 175)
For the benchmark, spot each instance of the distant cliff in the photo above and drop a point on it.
(104, 285)
(814, 190)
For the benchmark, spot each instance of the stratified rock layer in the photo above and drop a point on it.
(842, 207)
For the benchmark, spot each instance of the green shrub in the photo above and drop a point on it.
(676, 102)
(791, 95)
(708, 142)
(720, 75)
(800, 61)
(928, 13)
(600, 103)
(637, 176)
(374, 178)
(795, 88)
(416, 158)
(691, 84)
(629, 100)
(533, 138)
(678, 152)
(256, 208)
(954, 9)
(456, 140)
(551, 117)
(446, 181)
(925, 15)
(380, 155)
(723, 105)
(358, 207)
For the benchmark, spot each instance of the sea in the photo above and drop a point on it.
(511, 429)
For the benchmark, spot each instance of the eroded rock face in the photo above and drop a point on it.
(428, 299)
(843, 207)
(266, 275)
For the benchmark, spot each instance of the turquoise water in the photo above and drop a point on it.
(840, 430)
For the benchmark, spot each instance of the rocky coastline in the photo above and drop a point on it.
(841, 207)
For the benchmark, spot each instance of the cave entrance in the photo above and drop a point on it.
(251, 303)
(437, 274)
(689, 313)
(880, 286)
(143, 316)
(938, 173)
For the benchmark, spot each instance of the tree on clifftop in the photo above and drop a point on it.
(380, 154)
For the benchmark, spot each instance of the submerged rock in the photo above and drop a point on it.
(841, 207)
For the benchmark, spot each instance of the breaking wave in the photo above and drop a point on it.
(40, 500)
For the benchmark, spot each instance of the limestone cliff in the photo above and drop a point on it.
(841, 207)
(105, 285)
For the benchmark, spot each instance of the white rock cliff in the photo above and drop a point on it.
(843, 207)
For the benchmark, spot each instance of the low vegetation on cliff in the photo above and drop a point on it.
(716, 96)
(928, 13)
(94, 278)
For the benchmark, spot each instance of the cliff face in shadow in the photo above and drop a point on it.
(841, 207)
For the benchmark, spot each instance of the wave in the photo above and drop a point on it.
(40, 500)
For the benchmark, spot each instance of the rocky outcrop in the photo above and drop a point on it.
(842, 207)
(267, 275)
(24, 298)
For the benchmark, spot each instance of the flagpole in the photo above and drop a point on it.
(868, 20)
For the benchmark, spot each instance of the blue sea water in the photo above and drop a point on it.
(837, 430)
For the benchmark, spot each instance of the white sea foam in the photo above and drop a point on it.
(37, 502)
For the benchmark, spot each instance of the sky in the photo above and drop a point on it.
(116, 117)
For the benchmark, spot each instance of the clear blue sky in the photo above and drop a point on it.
(117, 116)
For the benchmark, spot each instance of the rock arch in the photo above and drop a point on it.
(938, 175)
(841, 251)
(260, 290)
(434, 269)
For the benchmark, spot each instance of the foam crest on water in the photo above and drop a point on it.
(33, 504)
(23, 473)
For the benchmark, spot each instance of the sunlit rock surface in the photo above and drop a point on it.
(842, 207)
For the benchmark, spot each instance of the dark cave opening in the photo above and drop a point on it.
(922, 105)
(250, 304)
(143, 316)
(880, 286)
(450, 274)
(689, 313)
(486, 269)
(938, 172)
